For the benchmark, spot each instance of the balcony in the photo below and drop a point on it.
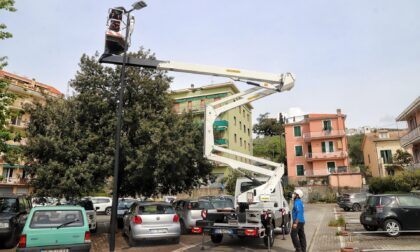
(326, 155)
(323, 134)
(14, 181)
(412, 137)
(221, 142)
(220, 125)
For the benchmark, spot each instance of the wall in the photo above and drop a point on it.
(351, 180)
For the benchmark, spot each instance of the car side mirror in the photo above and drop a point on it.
(276, 204)
(96, 208)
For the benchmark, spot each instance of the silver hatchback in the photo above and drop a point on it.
(151, 221)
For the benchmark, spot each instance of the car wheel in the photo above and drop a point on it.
(287, 227)
(108, 211)
(356, 207)
(346, 209)
(176, 240)
(269, 237)
(370, 228)
(216, 238)
(392, 227)
(94, 230)
(11, 243)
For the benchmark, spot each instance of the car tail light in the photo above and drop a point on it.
(137, 219)
(196, 230)
(251, 232)
(204, 214)
(22, 241)
(87, 237)
(379, 208)
(176, 218)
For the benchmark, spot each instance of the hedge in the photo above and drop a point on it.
(403, 182)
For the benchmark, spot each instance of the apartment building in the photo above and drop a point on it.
(411, 140)
(316, 147)
(13, 176)
(378, 149)
(232, 130)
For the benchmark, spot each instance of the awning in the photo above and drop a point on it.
(15, 166)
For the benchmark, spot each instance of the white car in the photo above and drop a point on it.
(102, 204)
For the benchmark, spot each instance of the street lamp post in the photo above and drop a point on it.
(113, 224)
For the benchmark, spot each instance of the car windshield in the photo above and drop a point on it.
(155, 209)
(8, 205)
(222, 203)
(55, 218)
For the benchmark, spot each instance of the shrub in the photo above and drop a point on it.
(404, 182)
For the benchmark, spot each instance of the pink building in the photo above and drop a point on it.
(316, 147)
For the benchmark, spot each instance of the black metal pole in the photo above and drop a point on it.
(117, 143)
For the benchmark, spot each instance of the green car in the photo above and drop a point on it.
(55, 228)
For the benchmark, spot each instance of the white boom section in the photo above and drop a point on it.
(268, 84)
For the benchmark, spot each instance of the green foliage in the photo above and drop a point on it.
(339, 222)
(355, 149)
(268, 126)
(272, 147)
(230, 181)
(8, 6)
(6, 99)
(402, 158)
(71, 142)
(404, 182)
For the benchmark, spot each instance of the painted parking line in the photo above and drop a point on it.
(342, 244)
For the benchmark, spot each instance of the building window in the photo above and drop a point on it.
(331, 167)
(247, 117)
(386, 155)
(245, 144)
(299, 151)
(234, 120)
(327, 146)
(202, 103)
(243, 113)
(16, 120)
(244, 129)
(240, 124)
(189, 105)
(383, 135)
(234, 136)
(369, 158)
(327, 125)
(249, 146)
(240, 141)
(249, 132)
(300, 170)
(297, 131)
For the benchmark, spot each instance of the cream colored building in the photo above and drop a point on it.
(13, 176)
(378, 149)
(233, 129)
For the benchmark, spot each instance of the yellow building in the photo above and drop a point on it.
(13, 176)
(378, 148)
(233, 129)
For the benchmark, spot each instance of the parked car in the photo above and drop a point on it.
(124, 205)
(392, 213)
(151, 221)
(87, 204)
(189, 212)
(102, 204)
(56, 228)
(220, 202)
(353, 201)
(14, 210)
(415, 192)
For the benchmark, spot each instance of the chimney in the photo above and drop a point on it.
(338, 111)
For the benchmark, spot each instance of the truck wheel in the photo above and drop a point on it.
(287, 227)
(216, 238)
(356, 207)
(269, 236)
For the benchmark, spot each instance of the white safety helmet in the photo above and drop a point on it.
(299, 192)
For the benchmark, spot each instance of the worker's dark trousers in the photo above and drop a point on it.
(298, 237)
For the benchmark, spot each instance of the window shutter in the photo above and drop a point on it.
(331, 146)
(323, 147)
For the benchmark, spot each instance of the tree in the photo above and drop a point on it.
(402, 158)
(273, 148)
(71, 142)
(6, 99)
(355, 149)
(268, 126)
(8, 6)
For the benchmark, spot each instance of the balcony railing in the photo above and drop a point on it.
(13, 181)
(411, 137)
(326, 155)
(221, 142)
(220, 125)
(324, 134)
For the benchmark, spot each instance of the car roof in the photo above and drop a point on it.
(147, 203)
(61, 207)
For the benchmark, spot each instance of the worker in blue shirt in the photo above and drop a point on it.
(298, 232)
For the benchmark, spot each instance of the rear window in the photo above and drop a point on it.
(49, 219)
(409, 201)
(226, 203)
(201, 205)
(8, 205)
(125, 204)
(156, 209)
(373, 201)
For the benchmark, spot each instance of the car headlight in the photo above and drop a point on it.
(4, 224)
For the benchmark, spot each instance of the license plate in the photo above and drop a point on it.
(158, 231)
(368, 218)
(55, 250)
(223, 231)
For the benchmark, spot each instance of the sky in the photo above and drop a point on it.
(360, 56)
